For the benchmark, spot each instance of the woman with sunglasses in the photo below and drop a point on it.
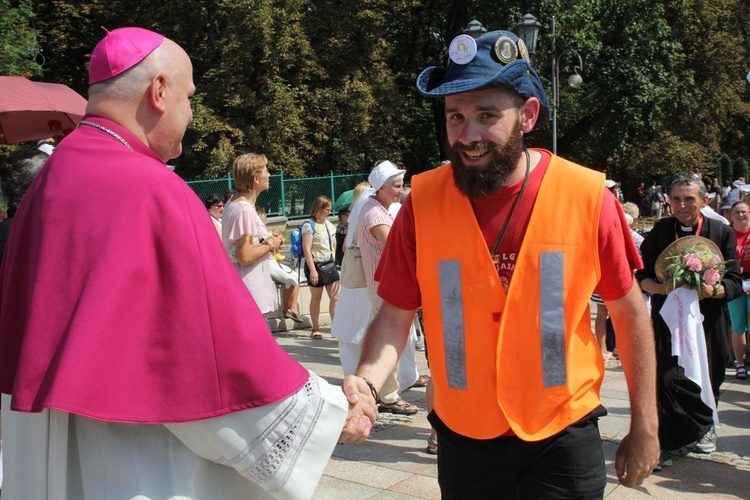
(215, 206)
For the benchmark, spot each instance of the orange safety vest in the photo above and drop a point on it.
(526, 360)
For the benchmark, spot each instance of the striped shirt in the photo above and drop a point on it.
(373, 214)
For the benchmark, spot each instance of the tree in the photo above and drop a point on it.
(741, 167)
(726, 168)
(20, 54)
(324, 86)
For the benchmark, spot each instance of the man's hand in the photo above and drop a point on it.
(383, 344)
(363, 410)
(638, 452)
(636, 457)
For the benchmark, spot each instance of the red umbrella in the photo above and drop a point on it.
(34, 110)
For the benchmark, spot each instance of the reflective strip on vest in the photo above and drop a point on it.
(452, 305)
(552, 317)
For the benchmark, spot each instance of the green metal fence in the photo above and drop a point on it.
(288, 197)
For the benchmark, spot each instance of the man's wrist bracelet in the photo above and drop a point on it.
(372, 390)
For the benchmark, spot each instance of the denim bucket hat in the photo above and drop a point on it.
(495, 59)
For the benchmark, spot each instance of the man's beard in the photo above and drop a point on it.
(476, 182)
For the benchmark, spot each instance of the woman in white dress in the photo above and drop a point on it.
(245, 236)
(355, 311)
(354, 307)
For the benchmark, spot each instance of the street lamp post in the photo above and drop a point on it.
(528, 29)
(474, 29)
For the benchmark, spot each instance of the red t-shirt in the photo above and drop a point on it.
(618, 255)
(743, 250)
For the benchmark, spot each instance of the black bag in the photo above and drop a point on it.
(327, 272)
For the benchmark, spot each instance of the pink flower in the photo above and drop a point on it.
(688, 256)
(711, 276)
(694, 263)
(712, 262)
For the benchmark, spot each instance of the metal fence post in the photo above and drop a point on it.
(333, 189)
(283, 195)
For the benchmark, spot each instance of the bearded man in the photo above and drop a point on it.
(503, 270)
(134, 363)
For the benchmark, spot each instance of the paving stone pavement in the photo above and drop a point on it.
(392, 464)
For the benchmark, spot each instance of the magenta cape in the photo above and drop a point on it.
(119, 302)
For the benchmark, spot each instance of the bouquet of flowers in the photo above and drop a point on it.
(692, 262)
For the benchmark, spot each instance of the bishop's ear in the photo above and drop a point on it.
(158, 92)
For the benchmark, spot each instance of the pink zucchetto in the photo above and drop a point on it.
(120, 50)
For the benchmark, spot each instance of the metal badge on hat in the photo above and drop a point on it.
(506, 50)
(462, 49)
(523, 50)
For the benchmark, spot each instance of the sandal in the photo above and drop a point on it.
(741, 372)
(316, 335)
(431, 446)
(399, 407)
(421, 381)
(293, 316)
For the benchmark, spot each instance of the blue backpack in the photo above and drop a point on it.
(296, 237)
(296, 243)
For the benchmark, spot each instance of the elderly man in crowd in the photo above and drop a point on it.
(504, 278)
(685, 420)
(133, 361)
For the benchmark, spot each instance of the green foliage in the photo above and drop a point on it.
(18, 43)
(211, 141)
(328, 85)
(742, 168)
(726, 168)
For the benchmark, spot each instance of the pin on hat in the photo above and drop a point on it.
(120, 50)
(506, 50)
(462, 49)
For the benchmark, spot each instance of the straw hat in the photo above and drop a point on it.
(678, 247)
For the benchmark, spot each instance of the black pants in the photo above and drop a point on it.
(567, 465)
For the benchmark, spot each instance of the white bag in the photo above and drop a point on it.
(352, 272)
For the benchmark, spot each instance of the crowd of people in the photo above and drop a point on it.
(135, 356)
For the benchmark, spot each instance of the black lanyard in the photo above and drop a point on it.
(515, 204)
